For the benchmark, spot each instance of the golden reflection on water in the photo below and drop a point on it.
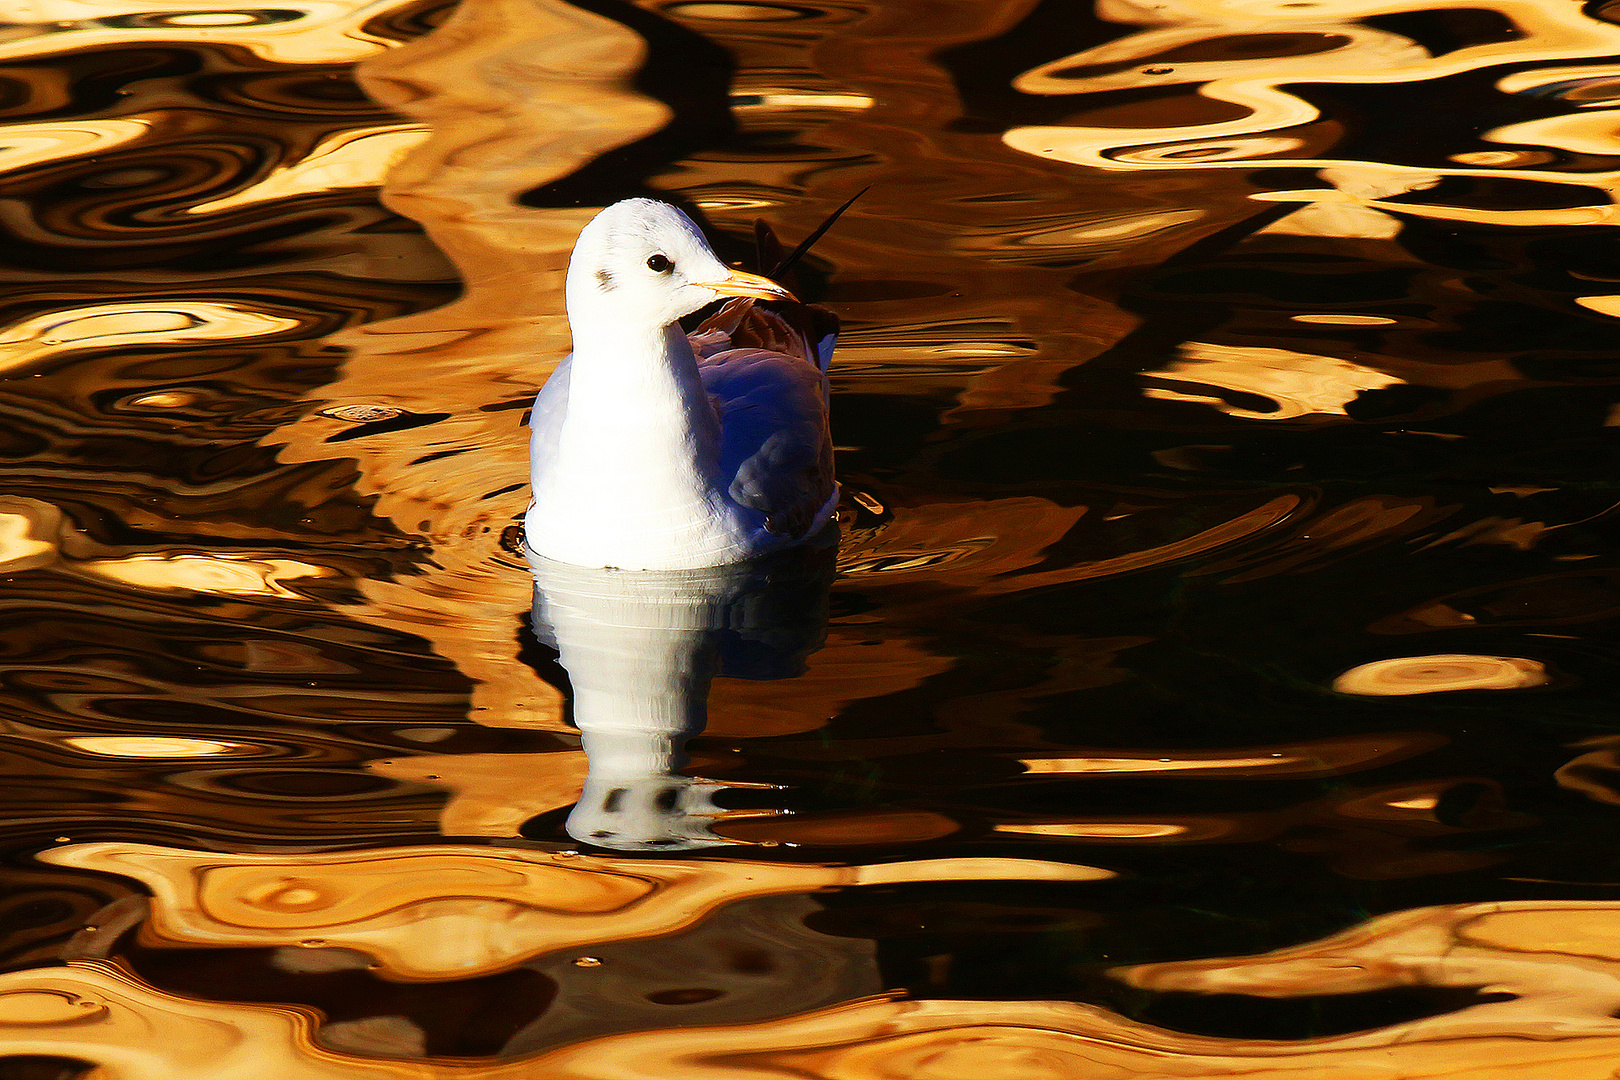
(153, 746)
(34, 144)
(130, 324)
(509, 95)
(493, 794)
(320, 31)
(358, 158)
(456, 913)
(1327, 45)
(1558, 961)
(1295, 384)
(33, 535)
(1437, 674)
(1326, 757)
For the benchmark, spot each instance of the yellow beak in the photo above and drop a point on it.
(742, 283)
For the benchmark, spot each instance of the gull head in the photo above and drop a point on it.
(643, 262)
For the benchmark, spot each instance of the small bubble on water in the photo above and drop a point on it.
(361, 414)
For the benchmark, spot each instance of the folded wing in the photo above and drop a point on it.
(765, 372)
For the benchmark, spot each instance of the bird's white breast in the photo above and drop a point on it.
(624, 468)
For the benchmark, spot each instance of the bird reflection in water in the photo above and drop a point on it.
(641, 648)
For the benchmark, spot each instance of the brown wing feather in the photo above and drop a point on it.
(790, 329)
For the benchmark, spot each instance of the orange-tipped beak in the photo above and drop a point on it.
(742, 283)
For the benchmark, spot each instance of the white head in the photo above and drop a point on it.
(644, 261)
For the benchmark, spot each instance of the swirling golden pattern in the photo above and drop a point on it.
(1556, 960)
(445, 913)
(310, 32)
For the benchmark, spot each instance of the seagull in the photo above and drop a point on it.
(654, 449)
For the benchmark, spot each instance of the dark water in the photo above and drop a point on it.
(1225, 417)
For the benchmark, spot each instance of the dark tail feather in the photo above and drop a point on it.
(781, 267)
(767, 248)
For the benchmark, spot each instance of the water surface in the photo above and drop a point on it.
(1218, 670)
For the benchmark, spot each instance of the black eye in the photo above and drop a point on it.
(659, 264)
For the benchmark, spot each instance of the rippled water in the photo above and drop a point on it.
(1218, 672)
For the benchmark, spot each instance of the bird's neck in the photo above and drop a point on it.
(633, 391)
